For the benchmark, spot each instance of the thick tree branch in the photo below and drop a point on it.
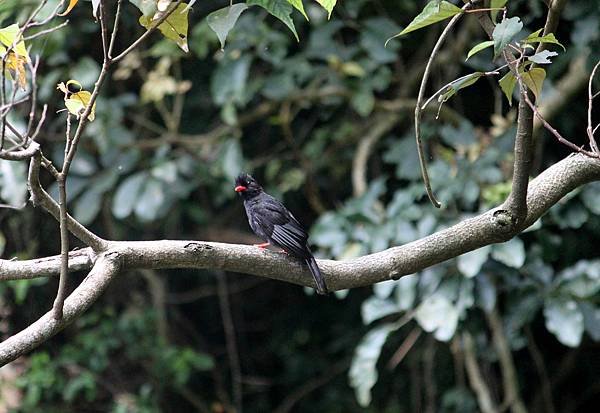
(495, 225)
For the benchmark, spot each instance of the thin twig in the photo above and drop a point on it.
(507, 364)
(590, 129)
(115, 29)
(288, 403)
(476, 380)
(33, 70)
(418, 110)
(404, 348)
(375, 132)
(103, 31)
(46, 31)
(540, 365)
(554, 132)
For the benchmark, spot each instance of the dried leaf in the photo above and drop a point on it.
(72, 4)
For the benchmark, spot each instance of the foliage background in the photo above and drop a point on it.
(171, 132)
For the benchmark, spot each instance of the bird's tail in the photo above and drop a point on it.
(318, 277)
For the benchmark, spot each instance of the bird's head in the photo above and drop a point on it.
(247, 186)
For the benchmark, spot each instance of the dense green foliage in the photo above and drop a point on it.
(171, 132)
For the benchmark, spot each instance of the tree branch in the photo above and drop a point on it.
(103, 271)
(507, 364)
(493, 226)
(40, 197)
(481, 389)
(490, 227)
(79, 260)
(359, 164)
(523, 151)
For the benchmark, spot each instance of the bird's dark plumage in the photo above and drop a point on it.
(273, 222)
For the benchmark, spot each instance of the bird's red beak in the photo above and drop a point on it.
(240, 188)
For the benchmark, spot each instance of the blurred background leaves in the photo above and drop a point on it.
(171, 132)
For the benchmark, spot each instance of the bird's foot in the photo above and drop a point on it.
(263, 245)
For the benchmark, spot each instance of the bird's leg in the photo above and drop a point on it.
(263, 245)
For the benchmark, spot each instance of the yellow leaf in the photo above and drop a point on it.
(7, 38)
(15, 65)
(534, 79)
(174, 28)
(77, 102)
(72, 4)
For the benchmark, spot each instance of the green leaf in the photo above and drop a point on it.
(534, 79)
(510, 253)
(150, 201)
(278, 8)
(300, 7)
(228, 83)
(591, 197)
(549, 38)
(147, 7)
(564, 320)
(223, 20)
(470, 263)
(13, 182)
(363, 100)
(479, 47)
(507, 84)
(433, 12)
(232, 158)
(485, 292)
(127, 195)
(383, 289)
(88, 206)
(437, 314)
(543, 57)
(174, 28)
(20, 288)
(327, 5)
(375, 308)
(458, 84)
(406, 291)
(363, 371)
(504, 33)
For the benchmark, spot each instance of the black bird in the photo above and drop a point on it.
(271, 221)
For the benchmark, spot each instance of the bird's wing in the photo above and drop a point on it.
(286, 230)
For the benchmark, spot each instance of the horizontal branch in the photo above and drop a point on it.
(495, 225)
(79, 260)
